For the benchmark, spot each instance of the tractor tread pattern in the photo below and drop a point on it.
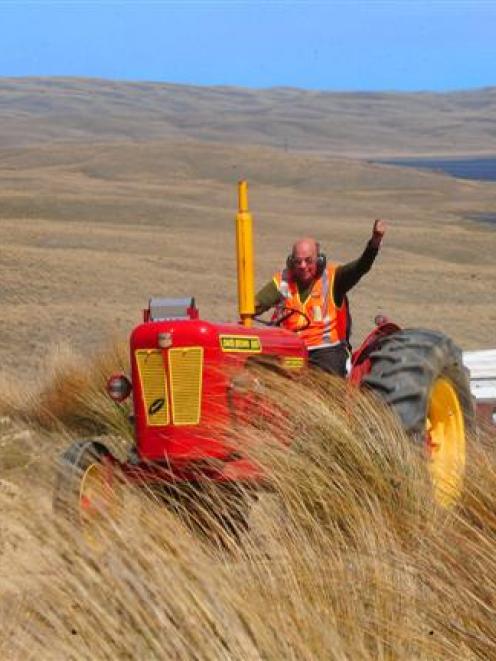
(405, 365)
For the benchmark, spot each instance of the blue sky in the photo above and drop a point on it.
(353, 45)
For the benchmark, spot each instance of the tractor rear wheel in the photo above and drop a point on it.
(420, 374)
(86, 491)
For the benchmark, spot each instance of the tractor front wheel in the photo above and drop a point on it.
(420, 374)
(87, 491)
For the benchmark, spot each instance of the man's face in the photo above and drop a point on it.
(305, 262)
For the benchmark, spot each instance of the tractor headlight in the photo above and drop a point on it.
(119, 387)
(164, 340)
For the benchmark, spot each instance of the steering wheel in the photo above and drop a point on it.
(284, 315)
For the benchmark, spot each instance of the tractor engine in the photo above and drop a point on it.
(190, 383)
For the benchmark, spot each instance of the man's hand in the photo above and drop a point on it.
(378, 232)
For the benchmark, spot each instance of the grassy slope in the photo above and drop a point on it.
(373, 124)
(91, 231)
(345, 558)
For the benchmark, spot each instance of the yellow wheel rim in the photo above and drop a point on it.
(97, 503)
(445, 440)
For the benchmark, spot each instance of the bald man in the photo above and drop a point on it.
(309, 296)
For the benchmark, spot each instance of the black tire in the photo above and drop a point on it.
(405, 367)
(72, 467)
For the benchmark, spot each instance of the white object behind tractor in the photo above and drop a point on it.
(482, 368)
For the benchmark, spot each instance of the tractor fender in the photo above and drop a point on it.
(360, 361)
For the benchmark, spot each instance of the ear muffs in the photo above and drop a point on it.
(321, 263)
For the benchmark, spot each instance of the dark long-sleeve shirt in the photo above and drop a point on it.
(346, 277)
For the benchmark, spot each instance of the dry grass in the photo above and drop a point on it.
(91, 232)
(345, 556)
(92, 228)
(70, 394)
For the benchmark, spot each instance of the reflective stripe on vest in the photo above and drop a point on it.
(326, 335)
(328, 324)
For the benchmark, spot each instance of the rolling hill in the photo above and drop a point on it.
(47, 110)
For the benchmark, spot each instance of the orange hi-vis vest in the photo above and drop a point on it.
(328, 325)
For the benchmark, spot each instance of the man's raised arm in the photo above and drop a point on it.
(347, 275)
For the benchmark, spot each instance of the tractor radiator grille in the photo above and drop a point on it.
(153, 385)
(185, 369)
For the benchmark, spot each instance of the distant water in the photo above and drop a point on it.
(484, 217)
(483, 168)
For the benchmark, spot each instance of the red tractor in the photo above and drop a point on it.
(188, 378)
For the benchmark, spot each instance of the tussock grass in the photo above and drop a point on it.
(71, 393)
(345, 555)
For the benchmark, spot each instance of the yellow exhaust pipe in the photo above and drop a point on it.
(244, 256)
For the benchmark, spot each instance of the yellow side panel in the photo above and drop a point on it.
(154, 386)
(293, 362)
(186, 372)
